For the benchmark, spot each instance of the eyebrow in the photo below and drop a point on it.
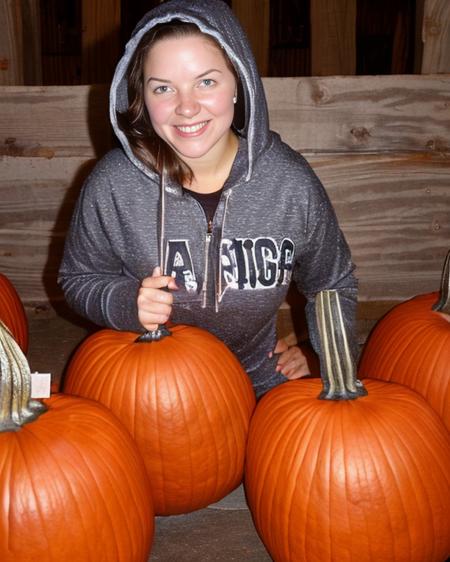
(154, 78)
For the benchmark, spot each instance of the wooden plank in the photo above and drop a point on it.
(37, 199)
(100, 40)
(333, 37)
(32, 62)
(361, 113)
(55, 121)
(254, 16)
(436, 37)
(11, 46)
(394, 211)
(418, 42)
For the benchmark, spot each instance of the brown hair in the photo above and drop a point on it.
(135, 121)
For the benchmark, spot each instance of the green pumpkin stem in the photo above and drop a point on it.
(156, 335)
(16, 405)
(443, 304)
(338, 371)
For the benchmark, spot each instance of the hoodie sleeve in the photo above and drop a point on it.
(325, 264)
(91, 273)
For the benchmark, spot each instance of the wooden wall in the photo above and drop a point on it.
(381, 146)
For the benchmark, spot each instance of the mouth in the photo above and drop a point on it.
(191, 130)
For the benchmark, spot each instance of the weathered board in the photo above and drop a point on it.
(333, 37)
(362, 113)
(436, 36)
(379, 144)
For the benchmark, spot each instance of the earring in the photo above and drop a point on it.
(234, 99)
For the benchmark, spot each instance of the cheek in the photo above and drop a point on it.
(157, 112)
(220, 104)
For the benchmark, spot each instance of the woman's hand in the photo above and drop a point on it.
(154, 302)
(292, 363)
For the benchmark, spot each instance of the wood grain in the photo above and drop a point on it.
(436, 36)
(362, 113)
(254, 16)
(11, 44)
(333, 37)
(100, 40)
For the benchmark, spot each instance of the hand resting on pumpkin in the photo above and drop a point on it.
(153, 301)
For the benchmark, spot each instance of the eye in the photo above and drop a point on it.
(161, 89)
(207, 83)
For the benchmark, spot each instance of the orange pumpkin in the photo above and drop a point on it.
(411, 346)
(185, 399)
(12, 312)
(342, 479)
(72, 483)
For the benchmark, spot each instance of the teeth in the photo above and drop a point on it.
(192, 128)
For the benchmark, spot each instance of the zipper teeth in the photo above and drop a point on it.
(219, 280)
(205, 279)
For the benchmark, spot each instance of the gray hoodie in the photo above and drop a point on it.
(274, 224)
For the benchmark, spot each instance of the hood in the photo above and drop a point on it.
(215, 18)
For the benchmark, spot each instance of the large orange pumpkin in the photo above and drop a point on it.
(411, 346)
(346, 480)
(185, 399)
(12, 312)
(72, 483)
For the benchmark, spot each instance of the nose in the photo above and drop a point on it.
(188, 105)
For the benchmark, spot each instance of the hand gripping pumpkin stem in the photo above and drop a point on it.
(443, 304)
(161, 332)
(338, 371)
(16, 405)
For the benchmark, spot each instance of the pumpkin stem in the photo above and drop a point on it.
(443, 304)
(338, 371)
(156, 335)
(16, 405)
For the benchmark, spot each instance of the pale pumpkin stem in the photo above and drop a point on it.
(338, 371)
(156, 335)
(16, 405)
(443, 304)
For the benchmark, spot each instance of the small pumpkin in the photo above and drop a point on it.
(12, 312)
(349, 476)
(411, 346)
(185, 399)
(72, 483)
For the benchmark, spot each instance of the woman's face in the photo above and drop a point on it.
(188, 92)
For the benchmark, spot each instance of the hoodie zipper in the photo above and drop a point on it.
(206, 267)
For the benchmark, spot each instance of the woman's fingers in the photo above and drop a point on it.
(154, 301)
(292, 363)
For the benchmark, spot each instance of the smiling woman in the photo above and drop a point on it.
(204, 215)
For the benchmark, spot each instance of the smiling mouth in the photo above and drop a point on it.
(190, 129)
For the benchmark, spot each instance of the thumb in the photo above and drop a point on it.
(280, 347)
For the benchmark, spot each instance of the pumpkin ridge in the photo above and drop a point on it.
(410, 456)
(78, 467)
(211, 390)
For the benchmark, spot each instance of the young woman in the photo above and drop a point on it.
(204, 216)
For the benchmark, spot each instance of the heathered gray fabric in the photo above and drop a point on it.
(274, 223)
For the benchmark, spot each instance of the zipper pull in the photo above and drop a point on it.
(209, 231)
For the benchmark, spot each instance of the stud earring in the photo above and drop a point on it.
(234, 99)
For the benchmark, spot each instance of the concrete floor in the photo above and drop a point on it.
(222, 531)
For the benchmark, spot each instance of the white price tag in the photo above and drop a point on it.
(40, 385)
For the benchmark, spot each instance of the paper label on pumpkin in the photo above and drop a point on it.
(40, 385)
